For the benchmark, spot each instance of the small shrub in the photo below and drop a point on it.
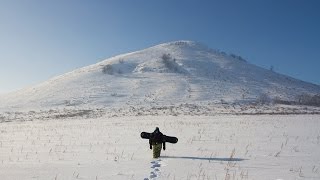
(238, 57)
(264, 99)
(180, 43)
(304, 99)
(271, 68)
(278, 100)
(169, 62)
(310, 100)
(223, 53)
(166, 57)
(119, 71)
(107, 69)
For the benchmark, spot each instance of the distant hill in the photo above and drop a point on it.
(167, 74)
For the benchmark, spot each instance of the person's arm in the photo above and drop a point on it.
(150, 143)
(163, 141)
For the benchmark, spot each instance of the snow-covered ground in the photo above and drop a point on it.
(229, 115)
(270, 147)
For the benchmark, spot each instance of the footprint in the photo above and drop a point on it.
(155, 169)
(155, 166)
(153, 175)
(156, 161)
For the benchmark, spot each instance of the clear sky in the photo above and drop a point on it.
(40, 39)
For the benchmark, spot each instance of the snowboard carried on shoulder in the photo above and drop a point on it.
(169, 139)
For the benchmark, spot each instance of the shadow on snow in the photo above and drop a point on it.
(204, 158)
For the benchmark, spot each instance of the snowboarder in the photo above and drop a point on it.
(156, 140)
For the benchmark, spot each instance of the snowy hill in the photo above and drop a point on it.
(167, 74)
(86, 124)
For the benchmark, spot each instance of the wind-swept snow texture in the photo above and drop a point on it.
(166, 74)
(210, 147)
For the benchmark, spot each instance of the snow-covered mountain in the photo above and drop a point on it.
(101, 110)
(167, 74)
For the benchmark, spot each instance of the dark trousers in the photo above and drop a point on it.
(156, 150)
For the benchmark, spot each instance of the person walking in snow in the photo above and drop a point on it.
(156, 140)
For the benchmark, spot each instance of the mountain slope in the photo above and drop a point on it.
(171, 73)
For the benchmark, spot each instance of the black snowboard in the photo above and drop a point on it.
(169, 139)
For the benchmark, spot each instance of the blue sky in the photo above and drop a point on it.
(40, 39)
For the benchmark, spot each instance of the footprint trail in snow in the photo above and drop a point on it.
(155, 169)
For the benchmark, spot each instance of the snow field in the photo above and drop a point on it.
(209, 147)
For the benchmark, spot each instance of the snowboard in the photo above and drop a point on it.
(169, 139)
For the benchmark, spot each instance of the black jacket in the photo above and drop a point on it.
(156, 138)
